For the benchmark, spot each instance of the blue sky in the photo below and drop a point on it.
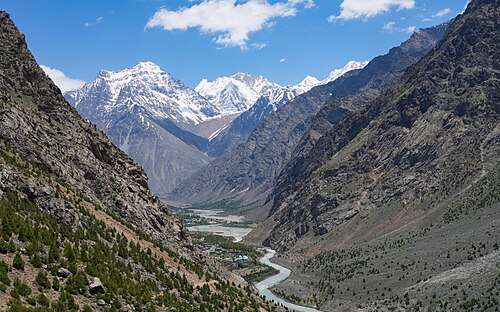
(283, 40)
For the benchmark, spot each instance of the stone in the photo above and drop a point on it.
(62, 272)
(128, 308)
(96, 286)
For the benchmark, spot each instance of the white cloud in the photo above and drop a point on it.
(410, 29)
(438, 15)
(231, 20)
(356, 9)
(97, 21)
(282, 60)
(259, 45)
(391, 27)
(64, 83)
(443, 12)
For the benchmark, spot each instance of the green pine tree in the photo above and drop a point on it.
(18, 262)
(36, 260)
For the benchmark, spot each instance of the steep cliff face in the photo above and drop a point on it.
(378, 75)
(415, 150)
(247, 174)
(39, 126)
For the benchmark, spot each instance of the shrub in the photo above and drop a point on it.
(4, 269)
(54, 254)
(4, 247)
(18, 262)
(42, 279)
(77, 284)
(36, 260)
(12, 246)
(23, 288)
(87, 308)
(43, 300)
(55, 284)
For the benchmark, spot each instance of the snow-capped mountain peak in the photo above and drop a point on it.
(310, 82)
(337, 73)
(306, 84)
(145, 87)
(236, 93)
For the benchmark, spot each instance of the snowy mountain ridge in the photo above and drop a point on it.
(337, 73)
(236, 93)
(145, 87)
(310, 82)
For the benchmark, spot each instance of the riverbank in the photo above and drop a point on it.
(264, 286)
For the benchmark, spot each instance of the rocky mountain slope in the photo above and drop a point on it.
(150, 116)
(45, 132)
(240, 129)
(247, 174)
(80, 231)
(407, 189)
(378, 75)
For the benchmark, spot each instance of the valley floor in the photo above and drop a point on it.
(452, 267)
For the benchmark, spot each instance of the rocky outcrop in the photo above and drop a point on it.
(412, 151)
(49, 137)
(96, 286)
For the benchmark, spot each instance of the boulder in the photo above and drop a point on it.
(62, 272)
(96, 286)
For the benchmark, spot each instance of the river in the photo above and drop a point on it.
(284, 273)
(238, 233)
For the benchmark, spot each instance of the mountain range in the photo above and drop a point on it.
(240, 129)
(172, 130)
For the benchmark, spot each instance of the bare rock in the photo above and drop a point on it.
(62, 272)
(96, 286)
